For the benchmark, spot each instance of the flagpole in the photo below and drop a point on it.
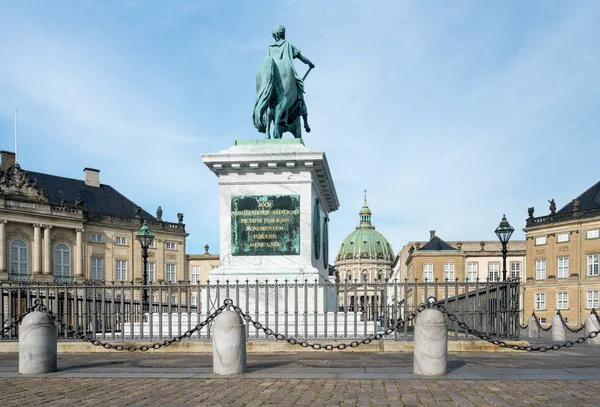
(16, 140)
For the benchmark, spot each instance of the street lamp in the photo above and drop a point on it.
(504, 231)
(145, 237)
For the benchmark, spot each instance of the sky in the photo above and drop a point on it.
(450, 114)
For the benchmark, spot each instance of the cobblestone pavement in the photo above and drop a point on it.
(294, 392)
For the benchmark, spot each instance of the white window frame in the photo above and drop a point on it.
(540, 269)
(539, 301)
(494, 275)
(563, 267)
(62, 266)
(121, 240)
(19, 260)
(592, 265)
(152, 244)
(472, 271)
(542, 320)
(96, 238)
(562, 300)
(562, 237)
(171, 272)
(194, 300)
(541, 240)
(120, 270)
(170, 245)
(195, 274)
(151, 270)
(449, 273)
(427, 271)
(96, 268)
(515, 274)
(593, 299)
(593, 234)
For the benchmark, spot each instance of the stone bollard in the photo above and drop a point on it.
(37, 344)
(592, 325)
(431, 343)
(533, 330)
(558, 329)
(229, 344)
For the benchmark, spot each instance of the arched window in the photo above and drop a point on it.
(19, 260)
(62, 263)
(380, 275)
(365, 277)
(349, 277)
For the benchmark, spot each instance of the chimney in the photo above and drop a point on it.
(431, 234)
(8, 159)
(91, 177)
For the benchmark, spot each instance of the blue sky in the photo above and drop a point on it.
(449, 113)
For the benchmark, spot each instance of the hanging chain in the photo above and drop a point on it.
(537, 321)
(133, 348)
(317, 346)
(37, 304)
(567, 327)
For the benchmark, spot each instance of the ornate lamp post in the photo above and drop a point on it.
(504, 231)
(145, 237)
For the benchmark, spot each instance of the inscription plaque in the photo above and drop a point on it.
(265, 225)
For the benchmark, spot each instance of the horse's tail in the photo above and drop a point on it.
(266, 94)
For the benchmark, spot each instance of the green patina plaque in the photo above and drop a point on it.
(265, 225)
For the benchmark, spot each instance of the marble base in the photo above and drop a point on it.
(37, 344)
(592, 325)
(431, 344)
(229, 344)
(558, 330)
(533, 330)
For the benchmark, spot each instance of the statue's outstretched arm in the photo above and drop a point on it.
(305, 60)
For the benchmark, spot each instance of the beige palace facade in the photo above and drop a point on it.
(563, 250)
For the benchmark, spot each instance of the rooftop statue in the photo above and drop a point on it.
(279, 90)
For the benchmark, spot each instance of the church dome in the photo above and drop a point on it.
(365, 242)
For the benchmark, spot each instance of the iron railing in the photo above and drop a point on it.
(300, 309)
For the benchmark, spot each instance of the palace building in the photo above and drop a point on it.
(563, 251)
(57, 229)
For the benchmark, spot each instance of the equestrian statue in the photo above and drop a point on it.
(280, 91)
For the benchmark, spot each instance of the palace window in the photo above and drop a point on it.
(19, 260)
(121, 240)
(151, 272)
(121, 270)
(540, 240)
(494, 271)
(427, 271)
(365, 276)
(515, 270)
(562, 237)
(593, 299)
(62, 263)
(472, 271)
(540, 301)
(449, 271)
(170, 274)
(380, 275)
(563, 267)
(96, 238)
(96, 271)
(592, 265)
(152, 244)
(195, 275)
(562, 300)
(349, 276)
(194, 301)
(542, 320)
(170, 245)
(540, 269)
(593, 234)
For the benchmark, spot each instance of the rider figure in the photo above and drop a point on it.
(284, 49)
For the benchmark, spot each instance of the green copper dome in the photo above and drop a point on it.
(365, 242)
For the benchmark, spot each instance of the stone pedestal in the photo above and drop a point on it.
(592, 325)
(533, 330)
(229, 344)
(275, 201)
(558, 329)
(37, 344)
(431, 344)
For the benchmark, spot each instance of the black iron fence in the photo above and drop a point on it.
(301, 309)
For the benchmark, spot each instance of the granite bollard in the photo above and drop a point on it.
(533, 329)
(431, 343)
(592, 325)
(558, 329)
(229, 344)
(37, 344)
